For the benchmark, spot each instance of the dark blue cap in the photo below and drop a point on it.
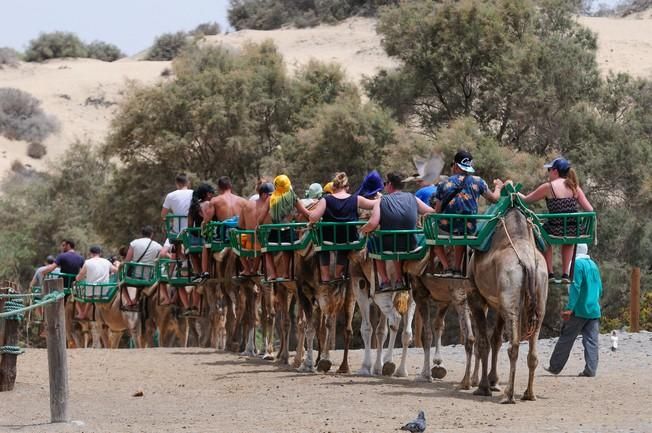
(560, 164)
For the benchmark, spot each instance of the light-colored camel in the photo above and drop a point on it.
(119, 321)
(394, 307)
(443, 291)
(320, 304)
(512, 279)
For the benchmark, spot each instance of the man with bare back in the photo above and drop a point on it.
(254, 213)
(225, 207)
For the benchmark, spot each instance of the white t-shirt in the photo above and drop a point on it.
(98, 270)
(178, 202)
(139, 245)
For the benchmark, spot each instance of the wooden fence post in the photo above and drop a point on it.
(57, 361)
(635, 301)
(8, 362)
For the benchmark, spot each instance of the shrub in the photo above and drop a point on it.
(21, 117)
(207, 29)
(55, 45)
(104, 51)
(36, 150)
(168, 46)
(8, 57)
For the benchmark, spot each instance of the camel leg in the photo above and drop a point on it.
(475, 379)
(268, 322)
(406, 338)
(301, 336)
(512, 323)
(364, 304)
(423, 302)
(349, 309)
(96, 331)
(477, 306)
(532, 362)
(496, 341)
(324, 363)
(114, 339)
(308, 365)
(284, 311)
(459, 297)
(438, 371)
(385, 365)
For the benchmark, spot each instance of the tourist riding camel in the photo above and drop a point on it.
(459, 195)
(563, 194)
(397, 210)
(68, 262)
(338, 207)
(178, 202)
(96, 270)
(225, 207)
(143, 250)
(253, 214)
(283, 207)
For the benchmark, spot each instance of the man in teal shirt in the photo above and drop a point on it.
(581, 315)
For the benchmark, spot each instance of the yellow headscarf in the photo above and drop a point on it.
(283, 199)
(329, 187)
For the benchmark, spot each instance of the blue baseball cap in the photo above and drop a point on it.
(560, 164)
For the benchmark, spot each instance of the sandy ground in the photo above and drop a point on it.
(199, 390)
(64, 86)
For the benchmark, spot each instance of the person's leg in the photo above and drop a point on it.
(270, 268)
(325, 266)
(440, 252)
(341, 257)
(548, 255)
(590, 336)
(205, 253)
(164, 297)
(569, 332)
(382, 271)
(566, 257)
(459, 256)
(195, 262)
(285, 264)
(183, 296)
(398, 268)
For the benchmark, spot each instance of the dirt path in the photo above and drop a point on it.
(198, 390)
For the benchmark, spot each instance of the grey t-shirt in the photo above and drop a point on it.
(398, 211)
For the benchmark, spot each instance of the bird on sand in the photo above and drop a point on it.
(417, 425)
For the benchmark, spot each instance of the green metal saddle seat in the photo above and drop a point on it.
(338, 236)
(136, 274)
(245, 243)
(100, 293)
(397, 245)
(174, 225)
(68, 280)
(174, 273)
(217, 234)
(284, 237)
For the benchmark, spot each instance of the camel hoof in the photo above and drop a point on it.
(388, 368)
(438, 372)
(423, 379)
(483, 391)
(507, 400)
(364, 372)
(306, 369)
(401, 373)
(344, 369)
(268, 357)
(297, 363)
(475, 382)
(324, 365)
(529, 397)
(495, 388)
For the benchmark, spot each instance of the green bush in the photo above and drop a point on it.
(207, 29)
(168, 46)
(104, 51)
(55, 45)
(22, 118)
(8, 57)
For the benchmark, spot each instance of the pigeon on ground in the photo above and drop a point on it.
(417, 425)
(614, 341)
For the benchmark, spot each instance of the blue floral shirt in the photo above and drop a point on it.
(463, 203)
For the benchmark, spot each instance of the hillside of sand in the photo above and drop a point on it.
(83, 94)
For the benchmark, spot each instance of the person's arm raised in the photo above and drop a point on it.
(538, 194)
(494, 196)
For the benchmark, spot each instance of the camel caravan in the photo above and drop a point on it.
(233, 269)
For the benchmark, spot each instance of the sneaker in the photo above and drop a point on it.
(565, 279)
(201, 277)
(399, 285)
(547, 368)
(552, 279)
(448, 273)
(457, 274)
(584, 374)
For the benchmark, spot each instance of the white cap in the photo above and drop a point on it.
(582, 249)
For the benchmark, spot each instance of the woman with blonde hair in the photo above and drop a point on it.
(563, 194)
(339, 206)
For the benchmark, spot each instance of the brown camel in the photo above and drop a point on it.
(512, 279)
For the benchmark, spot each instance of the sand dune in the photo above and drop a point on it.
(65, 86)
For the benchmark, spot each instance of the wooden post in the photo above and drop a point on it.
(635, 300)
(57, 361)
(8, 362)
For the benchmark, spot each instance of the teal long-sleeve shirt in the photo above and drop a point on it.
(585, 291)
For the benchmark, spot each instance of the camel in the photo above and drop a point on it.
(512, 279)
(394, 306)
(443, 291)
(118, 321)
(320, 304)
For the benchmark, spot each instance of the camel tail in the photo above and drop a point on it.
(530, 314)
